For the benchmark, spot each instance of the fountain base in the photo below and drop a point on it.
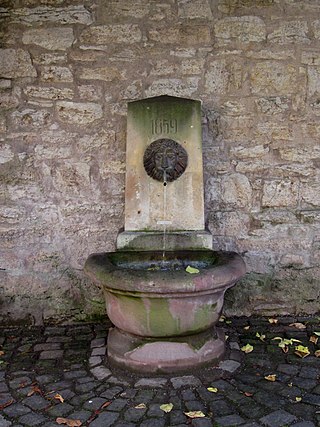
(166, 354)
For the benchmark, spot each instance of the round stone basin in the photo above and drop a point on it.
(154, 296)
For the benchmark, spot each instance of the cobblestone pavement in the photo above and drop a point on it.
(58, 374)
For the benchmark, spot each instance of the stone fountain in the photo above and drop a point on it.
(164, 286)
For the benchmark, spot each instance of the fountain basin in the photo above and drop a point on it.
(164, 317)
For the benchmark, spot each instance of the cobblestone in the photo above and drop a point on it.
(104, 396)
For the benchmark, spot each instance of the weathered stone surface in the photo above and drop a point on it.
(56, 74)
(106, 34)
(313, 81)
(15, 63)
(236, 190)
(108, 74)
(194, 9)
(186, 35)
(217, 77)
(280, 193)
(78, 113)
(273, 78)
(57, 38)
(176, 87)
(243, 29)
(46, 92)
(60, 15)
(290, 32)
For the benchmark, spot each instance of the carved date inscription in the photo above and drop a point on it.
(164, 126)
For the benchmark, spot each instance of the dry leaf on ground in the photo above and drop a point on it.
(317, 353)
(273, 321)
(4, 405)
(271, 377)
(194, 414)
(59, 397)
(313, 339)
(298, 399)
(192, 270)
(248, 348)
(302, 351)
(298, 325)
(246, 393)
(141, 406)
(69, 422)
(166, 407)
(213, 389)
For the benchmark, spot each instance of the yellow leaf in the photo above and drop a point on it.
(166, 407)
(317, 353)
(222, 318)
(273, 321)
(192, 270)
(195, 414)
(247, 348)
(212, 389)
(261, 337)
(298, 325)
(302, 351)
(141, 406)
(59, 397)
(317, 333)
(313, 339)
(298, 399)
(271, 377)
(69, 422)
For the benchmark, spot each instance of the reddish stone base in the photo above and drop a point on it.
(165, 355)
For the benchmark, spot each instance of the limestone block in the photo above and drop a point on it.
(290, 32)
(235, 128)
(300, 153)
(15, 63)
(42, 152)
(6, 154)
(31, 118)
(56, 38)
(46, 14)
(216, 77)
(313, 81)
(191, 9)
(185, 35)
(310, 193)
(273, 130)
(133, 91)
(272, 104)
(50, 58)
(89, 92)
(280, 193)
(316, 28)
(56, 74)
(310, 57)
(274, 53)
(254, 152)
(108, 10)
(46, 92)
(110, 34)
(176, 87)
(229, 224)
(107, 74)
(273, 78)
(70, 177)
(78, 113)
(5, 84)
(236, 190)
(163, 67)
(244, 29)
(10, 98)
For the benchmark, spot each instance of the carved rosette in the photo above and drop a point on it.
(165, 160)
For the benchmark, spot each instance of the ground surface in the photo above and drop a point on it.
(59, 374)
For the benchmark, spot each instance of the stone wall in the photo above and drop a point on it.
(67, 71)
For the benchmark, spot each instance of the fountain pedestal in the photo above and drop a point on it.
(164, 287)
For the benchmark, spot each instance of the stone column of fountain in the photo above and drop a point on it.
(164, 286)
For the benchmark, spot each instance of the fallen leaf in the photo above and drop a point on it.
(69, 422)
(194, 414)
(271, 377)
(313, 339)
(4, 405)
(141, 406)
(290, 385)
(273, 321)
(222, 318)
(166, 407)
(317, 333)
(302, 351)
(58, 397)
(260, 336)
(246, 393)
(317, 353)
(1, 353)
(212, 389)
(298, 399)
(246, 328)
(298, 325)
(248, 348)
(105, 405)
(35, 389)
(192, 270)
